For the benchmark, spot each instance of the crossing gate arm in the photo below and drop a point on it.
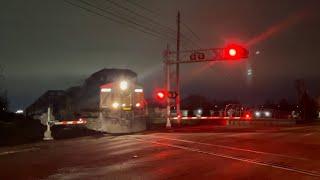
(75, 122)
(210, 117)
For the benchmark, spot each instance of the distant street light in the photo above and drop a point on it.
(20, 111)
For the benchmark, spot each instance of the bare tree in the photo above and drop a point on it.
(4, 103)
(307, 104)
(3, 93)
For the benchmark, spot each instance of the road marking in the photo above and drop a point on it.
(309, 134)
(18, 151)
(301, 171)
(297, 128)
(233, 148)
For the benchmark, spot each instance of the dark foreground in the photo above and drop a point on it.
(203, 152)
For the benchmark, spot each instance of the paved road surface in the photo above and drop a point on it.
(204, 152)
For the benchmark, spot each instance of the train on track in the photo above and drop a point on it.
(122, 108)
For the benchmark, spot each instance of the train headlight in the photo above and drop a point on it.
(115, 105)
(257, 114)
(123, 85)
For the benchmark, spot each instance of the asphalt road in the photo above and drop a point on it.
(204, 152)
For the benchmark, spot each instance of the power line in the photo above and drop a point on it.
(192, 32)
(114, 20)
(118, 16)
(112, 16)
(157, 13)
(142, 7)
(139, 15)
(126, 20)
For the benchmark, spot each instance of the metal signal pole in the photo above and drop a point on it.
(167, 85)
(178, 71)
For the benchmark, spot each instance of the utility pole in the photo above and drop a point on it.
(178, 71)
(167, 85)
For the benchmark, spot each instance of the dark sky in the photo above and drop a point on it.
(49, 44)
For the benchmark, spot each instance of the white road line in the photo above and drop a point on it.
(18, 151)
(233, 148)
(309, 134)
(297, 128)
(301, 171)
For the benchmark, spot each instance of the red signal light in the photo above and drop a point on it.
(247, 116)
(161, 95)
(234, 52)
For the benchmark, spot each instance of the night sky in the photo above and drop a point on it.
(49, 44)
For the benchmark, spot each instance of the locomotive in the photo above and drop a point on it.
(123, 108)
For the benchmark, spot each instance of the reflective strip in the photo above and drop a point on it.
(138, 90)
(106, 90)
(70, 122)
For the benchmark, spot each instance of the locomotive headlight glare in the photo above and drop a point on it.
(115, 105)
(123, 85)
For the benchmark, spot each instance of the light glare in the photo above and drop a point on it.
(115, 105)
(232, 52)
(106, 90)
(138, 90)
(123, 85)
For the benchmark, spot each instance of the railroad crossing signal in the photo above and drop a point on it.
(235, 52)
(197, 56)
(163, 94)
(172, 94)
(229, 52)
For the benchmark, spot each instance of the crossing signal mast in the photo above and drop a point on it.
(230, 52)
